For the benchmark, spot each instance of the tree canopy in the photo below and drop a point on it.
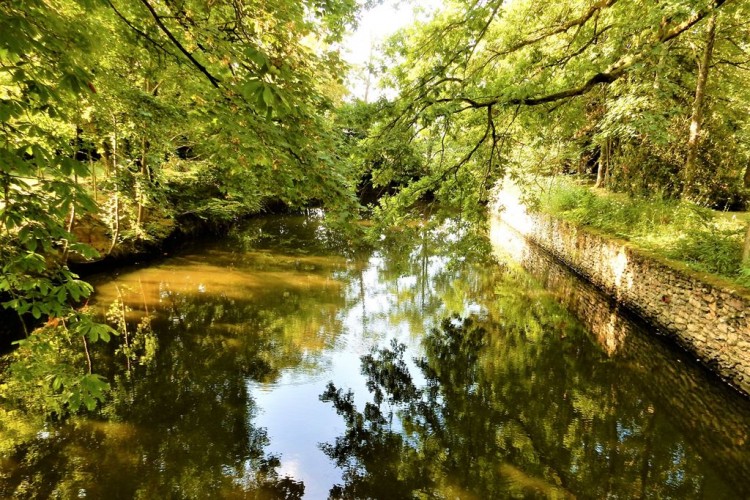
(494, 88)
(119, 118)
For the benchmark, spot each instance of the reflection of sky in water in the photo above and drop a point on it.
(296, 420)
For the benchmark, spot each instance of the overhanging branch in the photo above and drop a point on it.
(577, 22)
(138, 31)
(620, 67)
(214, 81)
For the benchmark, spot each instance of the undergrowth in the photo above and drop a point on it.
(705, 240)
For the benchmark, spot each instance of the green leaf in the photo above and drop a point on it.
(268, 96)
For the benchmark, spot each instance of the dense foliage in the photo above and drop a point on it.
(119, 118)
(644, 98)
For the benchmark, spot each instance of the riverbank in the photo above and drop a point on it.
(165, 237)
(705, 240)
(166, 234)
(706, 315)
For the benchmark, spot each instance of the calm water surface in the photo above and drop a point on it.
(279, 363)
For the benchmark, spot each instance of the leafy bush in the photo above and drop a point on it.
(562, 198)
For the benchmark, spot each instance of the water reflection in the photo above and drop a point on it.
(505, 412)
(442, 374)
(519, 402)
(231, 342)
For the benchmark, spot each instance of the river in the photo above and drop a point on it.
(281, 361)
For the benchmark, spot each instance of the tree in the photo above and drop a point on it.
(516, 89)
(228, 104)
(696, 119)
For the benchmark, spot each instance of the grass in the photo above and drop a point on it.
(705, 240)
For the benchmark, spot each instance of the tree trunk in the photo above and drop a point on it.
(601, 172)
(71, 223)
(696, 120)
(143, 181)
(116, 221)
(92, 170)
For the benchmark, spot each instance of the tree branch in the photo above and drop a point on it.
(214, 81)
(690, 22)
(139, 31)
(620, 67)
(476, 147)
(566, 59)
(579, 21)
(609, 75)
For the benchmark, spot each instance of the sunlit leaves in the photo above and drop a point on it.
(94, 331)
(559, 83)
(140, 111)
(48, 376)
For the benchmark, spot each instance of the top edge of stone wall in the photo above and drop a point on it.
(713, 280)
(676, 266)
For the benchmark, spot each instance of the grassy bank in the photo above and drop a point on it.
(705, 240)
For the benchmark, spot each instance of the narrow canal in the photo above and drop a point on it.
(280, 363)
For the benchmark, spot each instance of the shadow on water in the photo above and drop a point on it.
(451, 376)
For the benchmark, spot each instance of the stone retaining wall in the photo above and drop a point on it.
(709, 318)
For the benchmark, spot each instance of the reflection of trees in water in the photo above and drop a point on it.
(435, 266)
(716, 419)
(295, 235)
(180, 426)
(519, 405)
(517, 401)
